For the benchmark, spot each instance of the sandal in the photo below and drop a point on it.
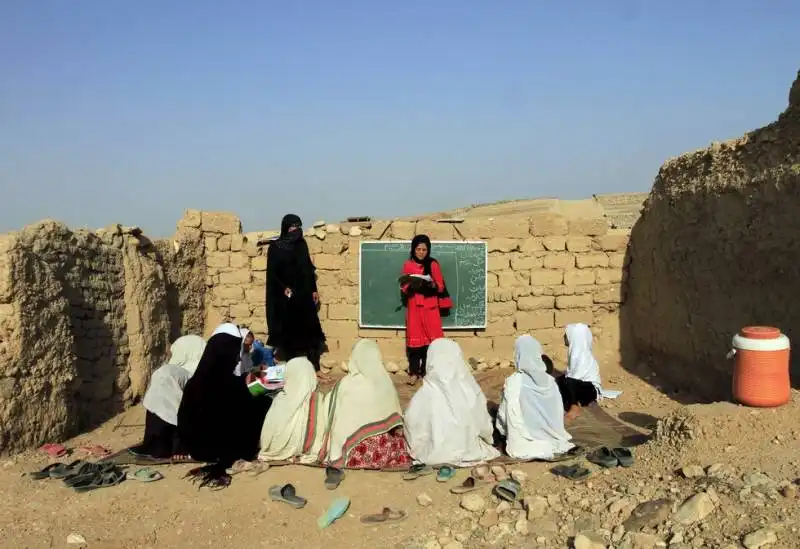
(482, 473)
(287, 494)
(507, 490)
(333, 477)
(96, 450)
(571, 472)
(469, 485)
(417, 470)
(446, 472)
(624, 456)
(146, 474)
(104, 479)
(336, 511)
(603, 457)
(44, 473)
(62, 470)
(387, 515)
(572, 453)
(54, 450)
(87, 469)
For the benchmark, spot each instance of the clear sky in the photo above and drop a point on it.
(132, 111)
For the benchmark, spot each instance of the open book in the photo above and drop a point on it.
(415, 279)
(269, 380)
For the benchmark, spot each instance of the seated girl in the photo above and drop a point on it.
(365, 425)
(293, 427)
(163, 397)
(245, 364)
(531, 415)
(447, 421)
(580, 386)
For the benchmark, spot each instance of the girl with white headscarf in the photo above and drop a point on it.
(293, 427)
(245, 360)
(365, 423)
(580, 386)
(531, 414)
(163, 397)
(447, 421)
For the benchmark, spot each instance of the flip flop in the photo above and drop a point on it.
(62, 470)
(287, 494)
(603, 457)
(469, 485)
(333, 477)
(45, 473)
(387, 515)
(96, 450)
(571, 472)
(507, 490)
(482, 473)
(336, 511)
(624, 456)
(417, 470)
(54, 450)
(86, 470)
(146, 474)
(573, 453)
(446, 472)
(500, 473)
(104, 479)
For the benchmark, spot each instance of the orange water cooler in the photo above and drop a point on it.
(761, 368)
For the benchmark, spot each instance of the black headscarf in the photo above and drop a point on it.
(215, 403)
(288, 238)
(426, 263)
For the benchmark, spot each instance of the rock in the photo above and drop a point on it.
(76, 539)
(331, 228)
(392, 367)
(497, 532)
(505, 364)
(519, 476)
(694, 509)
(759, 538)
(319, 224)
(536, 506)
(521, 527)
(320, 234)
(424, 500)
(355, 231)
(648, 515)
(482, 367)
(622, 504)
(720, 470)
(588, 540)
(455, 544)
(638, 540)
(789, 491)
(489, 518)
(503, 507)
(616, 535)
(758, 480)
(344, 367)
(692, 471)
(432, 544)
(473, 502)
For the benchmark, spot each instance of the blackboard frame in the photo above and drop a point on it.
(433, 243)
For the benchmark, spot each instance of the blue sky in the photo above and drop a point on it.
(131, 112)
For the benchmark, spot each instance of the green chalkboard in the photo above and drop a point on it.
(464, 269)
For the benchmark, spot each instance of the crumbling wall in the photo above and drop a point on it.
(716, 249)
(83, 324)
(544, 272)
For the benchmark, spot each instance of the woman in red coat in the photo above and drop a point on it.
(423, 299)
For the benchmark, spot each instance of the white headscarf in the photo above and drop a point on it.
(366, 396)
(163, 396)
(447, 420)
(582, 364)
(286, 425)
(245, 359)
(531, 413)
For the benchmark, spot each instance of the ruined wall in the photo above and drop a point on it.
(544, 272)
(82, 324)
(716, 249)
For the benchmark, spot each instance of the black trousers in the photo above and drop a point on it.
(417, 358)
(160, 439)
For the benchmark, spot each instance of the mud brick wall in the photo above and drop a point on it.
(544, 272)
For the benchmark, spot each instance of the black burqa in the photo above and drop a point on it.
(219, 421)
(293, 322)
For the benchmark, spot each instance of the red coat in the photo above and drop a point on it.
(423, 320)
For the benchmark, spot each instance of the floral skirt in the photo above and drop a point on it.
(384, 451)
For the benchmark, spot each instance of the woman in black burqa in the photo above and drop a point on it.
(292, 298)
(219, 421)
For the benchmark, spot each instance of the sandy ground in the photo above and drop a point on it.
(173, 513)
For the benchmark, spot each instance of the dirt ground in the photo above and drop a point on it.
(173, 513)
